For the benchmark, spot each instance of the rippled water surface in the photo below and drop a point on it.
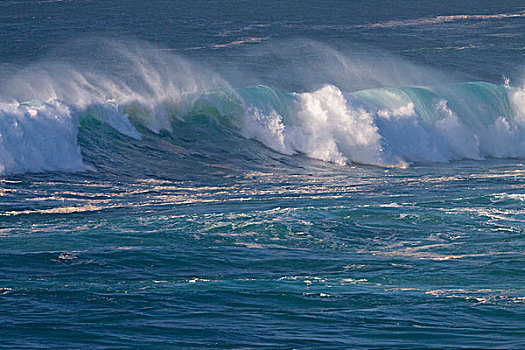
(322, 257)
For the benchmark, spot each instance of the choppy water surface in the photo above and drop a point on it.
(326, 256)
(233, 175)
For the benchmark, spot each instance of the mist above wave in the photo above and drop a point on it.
(348, 108)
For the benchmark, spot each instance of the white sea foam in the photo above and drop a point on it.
(324, 127)
(331, 129)
(38, 137)
(139, 76)
(268, 129)
(392, 131)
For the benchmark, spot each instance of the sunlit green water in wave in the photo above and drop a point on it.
(286, 252)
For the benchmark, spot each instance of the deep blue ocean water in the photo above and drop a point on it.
(248, 174)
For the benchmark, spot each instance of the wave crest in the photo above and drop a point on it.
(147, 91)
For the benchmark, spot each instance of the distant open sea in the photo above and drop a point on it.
(262, 174)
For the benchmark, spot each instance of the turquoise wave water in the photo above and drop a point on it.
(384, 127)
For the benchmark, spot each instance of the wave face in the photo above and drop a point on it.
(393, 127)
(390, 127)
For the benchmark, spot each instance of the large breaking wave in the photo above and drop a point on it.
(148, 91)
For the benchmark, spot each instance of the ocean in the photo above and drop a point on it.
(260, 175)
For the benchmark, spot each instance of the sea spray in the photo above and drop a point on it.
(147, 90)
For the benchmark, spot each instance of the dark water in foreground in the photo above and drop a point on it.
(327, 257)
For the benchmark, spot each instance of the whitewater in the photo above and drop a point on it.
(259, 175)
(387, 126)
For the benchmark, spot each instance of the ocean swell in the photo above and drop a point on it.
(390, 127)
(398, 126)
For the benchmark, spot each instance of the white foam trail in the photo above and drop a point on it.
(444, 19)
(248, 40)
